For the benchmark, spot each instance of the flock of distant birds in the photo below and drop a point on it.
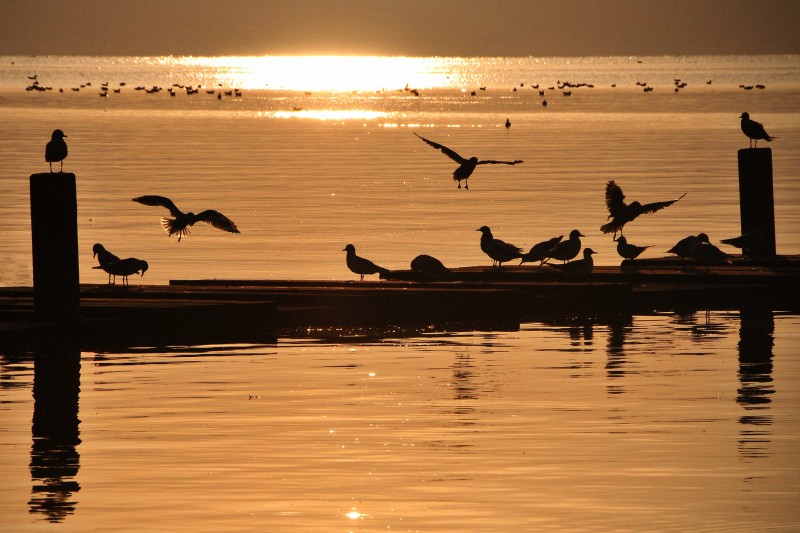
(694, 247)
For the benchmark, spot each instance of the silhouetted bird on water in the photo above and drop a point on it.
(579, 268)
(627, 250)
(499, 251)
(181, 221)
(467, 166)
(56, 150)
(508, 123)
(104, 257)
(621, 213)
(430, 268)
(359, 265)
(124, 268)
(567, 250)
(539, 251)
(750, 240)
(754, 130)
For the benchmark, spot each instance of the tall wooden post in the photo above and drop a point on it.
(54, 236)
(756, 201)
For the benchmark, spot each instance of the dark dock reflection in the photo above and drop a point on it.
(54, 456)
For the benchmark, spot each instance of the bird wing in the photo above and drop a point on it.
(493, 162)
(161, 201)
(657, 206)
(447, 151)
(614, 198)
(218, 220)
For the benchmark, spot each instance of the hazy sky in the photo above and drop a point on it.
(399, 27)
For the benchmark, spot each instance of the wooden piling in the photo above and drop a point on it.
(54, 239)
(756, 201)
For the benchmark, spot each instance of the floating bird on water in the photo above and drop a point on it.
(181, 221)
(754, 130)
(359, 265)
(708, 254)
(567, 250)
(621, 213)
(56, 150)
(749, 241)
(579, 268)
(124, 268)
(539, 251)
(627, 250)
(467, 166)
(430, 267)
(683, 248)
(499, 251)
(104, 257)
(508, 123)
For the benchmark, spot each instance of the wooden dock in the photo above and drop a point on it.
(198, 311)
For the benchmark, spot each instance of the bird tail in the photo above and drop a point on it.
(382, 272)
(608, 228)
(169, 226)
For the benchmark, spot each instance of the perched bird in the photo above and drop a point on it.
(467, 166)
(539, 251)
(430, 268)
(708, 254)
(621, 213)
(56, 150)
(499, 251)
(683, 248)
(754, 130)
(749, 241)
(567, 250)
(181, 221)
(124, 268)
(627, 250)
(104, 257)
(579, 268)
(359, 265)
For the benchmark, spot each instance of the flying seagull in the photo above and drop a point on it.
(499, 251)
(467, 166)
(181, 221)
(754, 130)
(621, 213)
(360, 265)
(104, 257)
(56, 150)
(124, 268)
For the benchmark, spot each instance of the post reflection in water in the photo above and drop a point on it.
(54, 458)
(756, 339)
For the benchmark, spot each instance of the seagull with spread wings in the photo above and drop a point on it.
(181, 221)
(621, 213)
(466, 166)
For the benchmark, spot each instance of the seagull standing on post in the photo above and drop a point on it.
(754, 130)
(181, 221)
(467, 166)
(56, 150)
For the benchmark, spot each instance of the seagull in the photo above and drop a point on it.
(467, 166)
(124, 268)
(181, 221)
(508, 123)
(579, 268)
(361, 266)
(629, 251)
(708, 254)
(754, 130)
(430, 267)
(56, 150)
(621, 213)
(567, 250)
(104, 257)
(748, 241)
(499, 251)
(683, 248)
(539, 251)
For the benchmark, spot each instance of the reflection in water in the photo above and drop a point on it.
(54, 458)
(756, 338)
(615, 362)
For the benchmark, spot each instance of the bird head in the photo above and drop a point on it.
(745, 116)
(485, 230)
(622, 239)
(143, 267)
(349, 249)
(588, 252)
(574, 234)
(97, 248)
(702, 237)
(57, 134)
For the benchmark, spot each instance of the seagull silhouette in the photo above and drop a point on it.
(579, 268)
(124, 268)
(467, 166)
(181, 221)
(567, 250)
(539, 251)
(708, 254)
(56, 150)
(683, 248)
(750, 240)
(104, 257)
(430, 267)
(754, 130)
(499, 251)
(359, 265)
(627, 250)
(621, 213)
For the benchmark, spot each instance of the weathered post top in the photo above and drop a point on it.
(54, 236)
(756, 201)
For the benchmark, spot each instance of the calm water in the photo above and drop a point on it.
(668, 422)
